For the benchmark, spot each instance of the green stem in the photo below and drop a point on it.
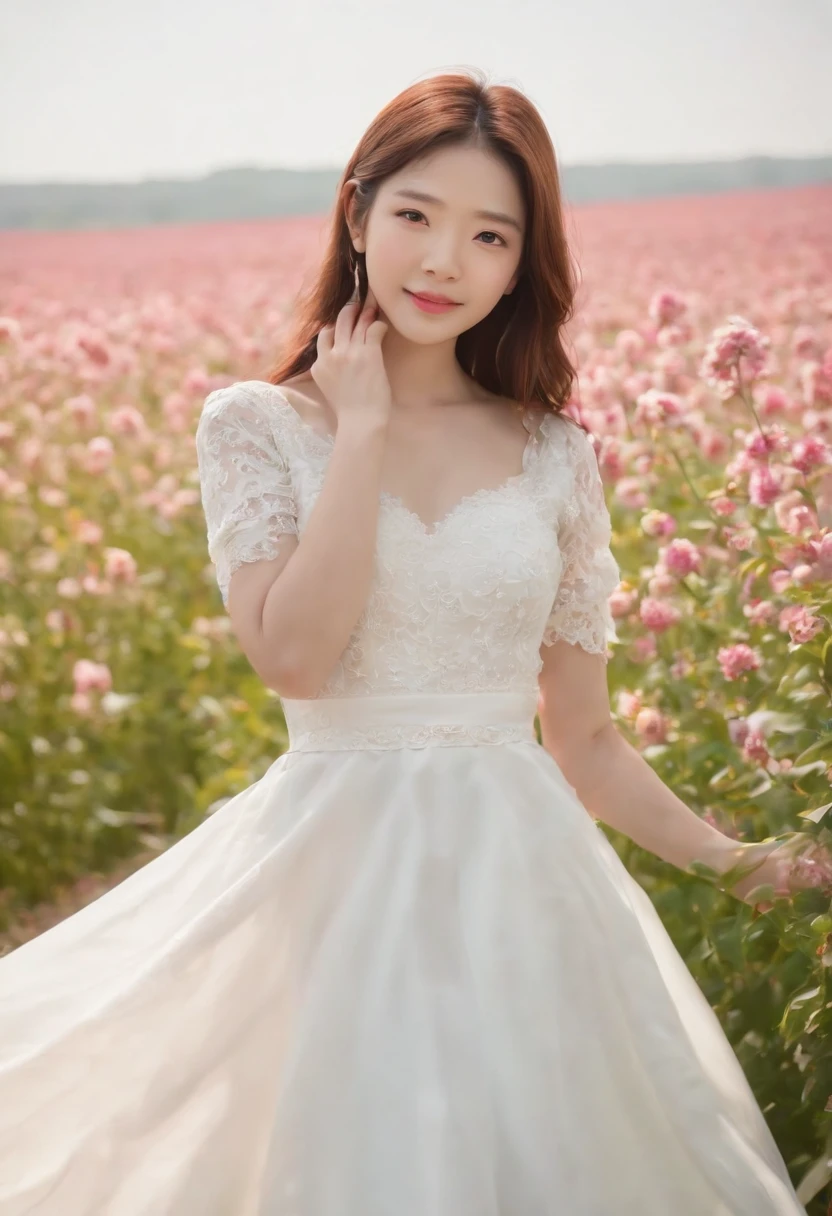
(748, 401)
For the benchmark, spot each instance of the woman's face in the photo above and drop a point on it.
(443, 246)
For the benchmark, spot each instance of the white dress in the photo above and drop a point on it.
(404, 973)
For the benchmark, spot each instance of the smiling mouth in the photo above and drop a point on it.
(429, 303)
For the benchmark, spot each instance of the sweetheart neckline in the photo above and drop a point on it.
(430, 531)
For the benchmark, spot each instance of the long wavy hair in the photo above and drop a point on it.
(517, 351)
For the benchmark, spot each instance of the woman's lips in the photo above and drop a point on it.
(430, 305)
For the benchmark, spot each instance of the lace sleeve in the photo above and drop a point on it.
(580, 613)
(244, 481)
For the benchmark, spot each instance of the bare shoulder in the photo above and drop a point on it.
(308, 402)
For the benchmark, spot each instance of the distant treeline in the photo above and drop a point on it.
(247, 193)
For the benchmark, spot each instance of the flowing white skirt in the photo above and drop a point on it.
(406, 981)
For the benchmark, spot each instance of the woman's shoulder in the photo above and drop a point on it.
(241, 395)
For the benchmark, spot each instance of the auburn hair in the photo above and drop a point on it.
(517, 351)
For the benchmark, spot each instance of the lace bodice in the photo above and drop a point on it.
(460, 607)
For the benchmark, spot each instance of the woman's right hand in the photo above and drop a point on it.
(349, 369)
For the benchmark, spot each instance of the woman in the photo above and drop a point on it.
(405, 971)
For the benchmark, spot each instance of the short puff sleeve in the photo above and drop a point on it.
(580, 612)
(246, 489)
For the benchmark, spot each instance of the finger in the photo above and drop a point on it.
(324, 339)
(345, 322)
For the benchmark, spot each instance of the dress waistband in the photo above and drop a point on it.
(410, 720)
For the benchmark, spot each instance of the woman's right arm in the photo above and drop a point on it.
(300, 608)
(318, 592)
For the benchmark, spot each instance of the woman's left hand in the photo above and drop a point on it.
(795, 864)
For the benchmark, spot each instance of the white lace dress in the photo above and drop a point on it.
(404, 973)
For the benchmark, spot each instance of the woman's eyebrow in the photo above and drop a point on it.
(420, 196)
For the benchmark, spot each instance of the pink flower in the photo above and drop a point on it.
(681, 556)
(723, 506)
(816, 380)
(88, 676)
(629, 491)
(773, 439)
(808, 453)
(779, 580)
(657, 615)
(738, 731)
(628, 704)
(657, 523)
(736, 351)
(764, 487)
(629, 344)
(81, 409)
(99, 454)
(759, 612)
(656, 406)
(126, 420)
(621, 603)
(772, 400)
(666, 306)
(119, 566)
(736, 659)
(651, 725)
(754, 747)
(803, 625)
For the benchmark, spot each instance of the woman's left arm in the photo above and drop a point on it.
(613, 781)
(618, 786)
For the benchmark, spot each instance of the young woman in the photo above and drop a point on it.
(404, 973)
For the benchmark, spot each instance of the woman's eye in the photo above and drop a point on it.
(495, 234)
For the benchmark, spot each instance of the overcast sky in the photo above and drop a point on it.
(101, 90)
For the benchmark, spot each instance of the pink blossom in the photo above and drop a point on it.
(88, 532)
(759, 612)
(651, 725)
(771, 399)
(738, 730)
(657, 523)
(197, 380)
(94, 345)
(803, 574)
(743, 540)
(713, 444)
(657, 407)
(805, 342)
(99, 454)
(809, 453)
(643, 649)
(666, 306)
(754, 747)
(629, 344)
(90, 676)
(723, 506)
(81, 409)
(761, 445)
(126, 420)
(779, 580)
(764, 487)
(735, 351)
(622, 602)
(627, 703)
(736, 659)
(661, 583)
(10, 330)
(657, 615)
(804, 625)
(816, 380)
(629, 491)
(681, 556)
(119, 566)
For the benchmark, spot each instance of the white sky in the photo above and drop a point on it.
(110, 90)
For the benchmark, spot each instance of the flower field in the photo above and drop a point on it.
(703, 337)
